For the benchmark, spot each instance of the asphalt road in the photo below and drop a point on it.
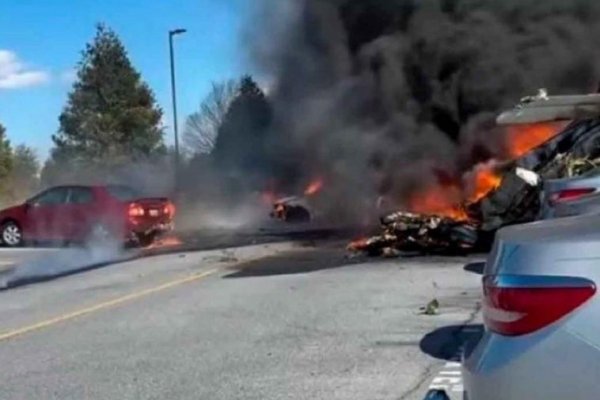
(11, 257)
(271, 321)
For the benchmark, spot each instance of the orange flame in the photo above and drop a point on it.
(449, 200)
(358, 244)
(443, 201)
(314, 187)
(520, 139)
(484, 181)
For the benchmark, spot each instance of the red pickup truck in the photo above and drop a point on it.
(86, 214)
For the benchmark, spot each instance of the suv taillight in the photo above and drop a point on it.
(169, 209)
(570, 194)
(517, 305)
(136, 210)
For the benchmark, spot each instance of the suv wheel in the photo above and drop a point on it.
(11, 234)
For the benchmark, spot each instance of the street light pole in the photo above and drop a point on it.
(174, 100)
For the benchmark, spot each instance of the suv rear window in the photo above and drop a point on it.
(122, 192)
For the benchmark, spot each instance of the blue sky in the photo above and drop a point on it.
(41, 41)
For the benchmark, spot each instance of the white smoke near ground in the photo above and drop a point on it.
(199, 215)
(54, 263)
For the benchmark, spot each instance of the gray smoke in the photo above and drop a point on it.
(385, 96)
(55, 263)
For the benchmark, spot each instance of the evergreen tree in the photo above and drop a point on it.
(240, 147)
(111, 116)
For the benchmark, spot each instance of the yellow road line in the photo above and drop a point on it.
(104, 305)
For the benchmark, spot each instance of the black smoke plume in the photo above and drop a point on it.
(382, 97)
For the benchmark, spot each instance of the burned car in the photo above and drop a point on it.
(291, 209)
(295, 208)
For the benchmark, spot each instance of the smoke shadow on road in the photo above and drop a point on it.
(449, 342)
(295, 263)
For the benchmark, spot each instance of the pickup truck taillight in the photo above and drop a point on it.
(135, 210)
(516, 305)
(169, 209)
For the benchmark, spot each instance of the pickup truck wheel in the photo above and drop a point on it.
(11, 234)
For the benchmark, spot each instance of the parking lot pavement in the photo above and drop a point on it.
(12, 257)
(265, 324)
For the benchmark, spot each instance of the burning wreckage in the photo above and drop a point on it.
(295, 208)
(554, 137)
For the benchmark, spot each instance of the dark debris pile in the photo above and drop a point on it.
(404, 231)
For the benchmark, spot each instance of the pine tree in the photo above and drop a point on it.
(240, 147)
(111, 116)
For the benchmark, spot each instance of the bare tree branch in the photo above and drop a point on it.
(201, 127)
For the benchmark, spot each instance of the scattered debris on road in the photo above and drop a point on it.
(432, 308)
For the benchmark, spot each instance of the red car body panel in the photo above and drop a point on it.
(72, 221)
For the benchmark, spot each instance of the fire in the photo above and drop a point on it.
(485, 180)
(279, 211)
(444, 201)
(358, 244)
(314, 187)
(520, 139)
(449, 199)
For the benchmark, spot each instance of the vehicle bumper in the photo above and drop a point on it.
(547, 365)
(148, 229)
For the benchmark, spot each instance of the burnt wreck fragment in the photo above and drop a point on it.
(571, 151)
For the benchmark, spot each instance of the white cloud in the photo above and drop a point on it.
(14, 74)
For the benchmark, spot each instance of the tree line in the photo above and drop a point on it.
(111, 124)
(19, 170)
